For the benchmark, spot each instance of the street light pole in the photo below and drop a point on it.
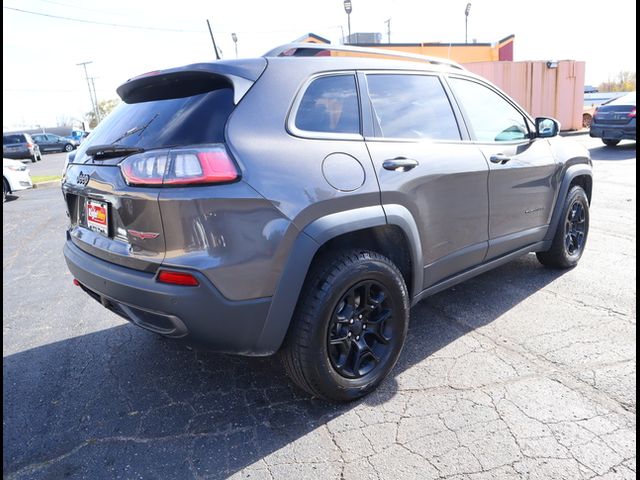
(466, 20)
(234, 37)
(388, 22)
(348, 8)
(93, 105)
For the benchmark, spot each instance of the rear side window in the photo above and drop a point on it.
(412, 106)
(191, 120)
(9, 139)
(330, 105)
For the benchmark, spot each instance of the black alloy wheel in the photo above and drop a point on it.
(575, 228)
(349, 326)
(571, 234)
(361, 329)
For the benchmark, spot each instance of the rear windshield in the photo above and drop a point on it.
(166, 123)
(8, 139)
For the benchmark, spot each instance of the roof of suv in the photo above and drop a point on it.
(380, 56)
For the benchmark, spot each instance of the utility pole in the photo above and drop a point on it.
(95, 96)
(388, 22)
(93, 105)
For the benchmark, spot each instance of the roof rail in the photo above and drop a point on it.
(282, 51)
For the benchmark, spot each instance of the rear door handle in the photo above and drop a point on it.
(499, 158)
(400, 164)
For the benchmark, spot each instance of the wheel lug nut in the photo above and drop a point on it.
(351, 321)
(364, 326)
(349, 334)
(357, 337)
(360, 316)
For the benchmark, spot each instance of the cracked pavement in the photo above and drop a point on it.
(523, 372)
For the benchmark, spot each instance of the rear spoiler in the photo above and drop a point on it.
(193, 80)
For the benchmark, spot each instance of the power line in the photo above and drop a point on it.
(79, 7)
(139, 27)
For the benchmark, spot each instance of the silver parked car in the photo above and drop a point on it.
(303, 201)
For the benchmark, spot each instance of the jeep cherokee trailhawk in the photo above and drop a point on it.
(303, 201)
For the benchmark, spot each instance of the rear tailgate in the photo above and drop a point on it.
(120, 222)
(132, 234)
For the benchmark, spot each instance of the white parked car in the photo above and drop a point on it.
(15, 176)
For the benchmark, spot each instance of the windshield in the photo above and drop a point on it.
(193, 120)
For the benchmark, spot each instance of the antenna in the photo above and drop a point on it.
(213, 40)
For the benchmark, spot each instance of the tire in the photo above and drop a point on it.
(34, 159)
(68, 147)
(39, 157)
(610, 143)
(5, 190)
(571, 235)
(335, 348)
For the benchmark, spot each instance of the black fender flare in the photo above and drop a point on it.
(309, 240)
(573, 171)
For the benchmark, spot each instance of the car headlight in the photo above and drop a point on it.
(17, 168)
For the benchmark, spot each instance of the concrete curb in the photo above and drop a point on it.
(573, 133)
(48, 184)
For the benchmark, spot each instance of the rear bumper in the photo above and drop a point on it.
(614, 132)
(19, 181)
(200, 313)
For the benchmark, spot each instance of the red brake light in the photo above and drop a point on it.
(29, 145)
(182, 166)
(632, 113)
(178, 278)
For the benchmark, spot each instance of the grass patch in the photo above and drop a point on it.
(44, 178)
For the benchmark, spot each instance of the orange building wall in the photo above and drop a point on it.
(457, 53)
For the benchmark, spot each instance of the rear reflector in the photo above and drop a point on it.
(180, 167)
(178, 278)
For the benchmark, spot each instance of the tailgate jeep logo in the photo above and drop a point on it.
(83, 178)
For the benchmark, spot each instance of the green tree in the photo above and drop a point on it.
(624, 81)
(104, 107)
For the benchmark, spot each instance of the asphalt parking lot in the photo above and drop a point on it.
(523, 372)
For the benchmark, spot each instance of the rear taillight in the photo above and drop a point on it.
(177, 278)
(180, 167)
(632, 113)
(29, 145)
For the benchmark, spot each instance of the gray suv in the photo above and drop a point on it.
(303, 201)
(19, 146)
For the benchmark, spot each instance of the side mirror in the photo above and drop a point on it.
(547, 127)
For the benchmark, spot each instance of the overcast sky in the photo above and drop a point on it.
(41, 81)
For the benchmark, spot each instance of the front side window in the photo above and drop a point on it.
(330, 105)
(412, 106)
(492, 118)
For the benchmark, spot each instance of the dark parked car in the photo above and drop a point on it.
(19, 146)
(48, 142)
(615, 120)
(302, 203)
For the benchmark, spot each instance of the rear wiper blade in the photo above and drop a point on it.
(108, 151)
